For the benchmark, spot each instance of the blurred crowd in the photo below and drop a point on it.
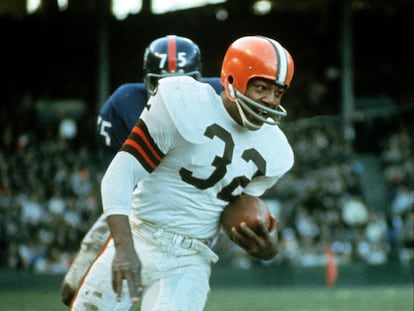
(50, 180)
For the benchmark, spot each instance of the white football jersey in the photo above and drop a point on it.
(197, 158)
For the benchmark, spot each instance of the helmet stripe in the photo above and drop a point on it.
(172, 60)
(282, 62)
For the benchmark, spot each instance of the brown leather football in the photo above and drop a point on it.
(246, 209)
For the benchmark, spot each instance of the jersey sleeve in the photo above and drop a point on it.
(152, 136)
(118, 182)
(281, 162)
(259, 185)
(106, 125)
(117, 117)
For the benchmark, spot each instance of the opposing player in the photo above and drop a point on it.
(166, 56)
(190, 153)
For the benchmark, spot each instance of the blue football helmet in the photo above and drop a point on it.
(170, 56)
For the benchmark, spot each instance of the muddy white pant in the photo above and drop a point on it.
(175, 272)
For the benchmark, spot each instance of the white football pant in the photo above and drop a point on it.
(91, 245)
(175, 272)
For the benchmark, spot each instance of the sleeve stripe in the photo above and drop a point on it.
(144, 138)
(138, 148)
(141, 145)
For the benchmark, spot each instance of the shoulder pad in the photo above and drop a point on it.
(190, 105)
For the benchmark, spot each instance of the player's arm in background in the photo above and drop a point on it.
(117, 117)
(106, 150)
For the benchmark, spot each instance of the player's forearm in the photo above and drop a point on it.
(120, 230)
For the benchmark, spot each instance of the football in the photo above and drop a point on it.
(247, 209)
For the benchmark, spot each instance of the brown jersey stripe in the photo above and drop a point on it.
(135, 149)
(153, 148)
(142, 147)
(137, 156)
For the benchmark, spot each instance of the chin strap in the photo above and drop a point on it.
(245, 121)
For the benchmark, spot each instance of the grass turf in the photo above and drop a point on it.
(253, 299)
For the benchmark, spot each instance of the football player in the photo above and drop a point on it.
(166, 56)
(190, 153)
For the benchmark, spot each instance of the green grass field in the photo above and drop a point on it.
(260, 299)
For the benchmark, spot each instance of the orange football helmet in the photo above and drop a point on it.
(256, 57)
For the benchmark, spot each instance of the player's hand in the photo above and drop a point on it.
(127, 266)
(261, 244)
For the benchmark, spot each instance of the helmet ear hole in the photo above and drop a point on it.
(230, 79)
